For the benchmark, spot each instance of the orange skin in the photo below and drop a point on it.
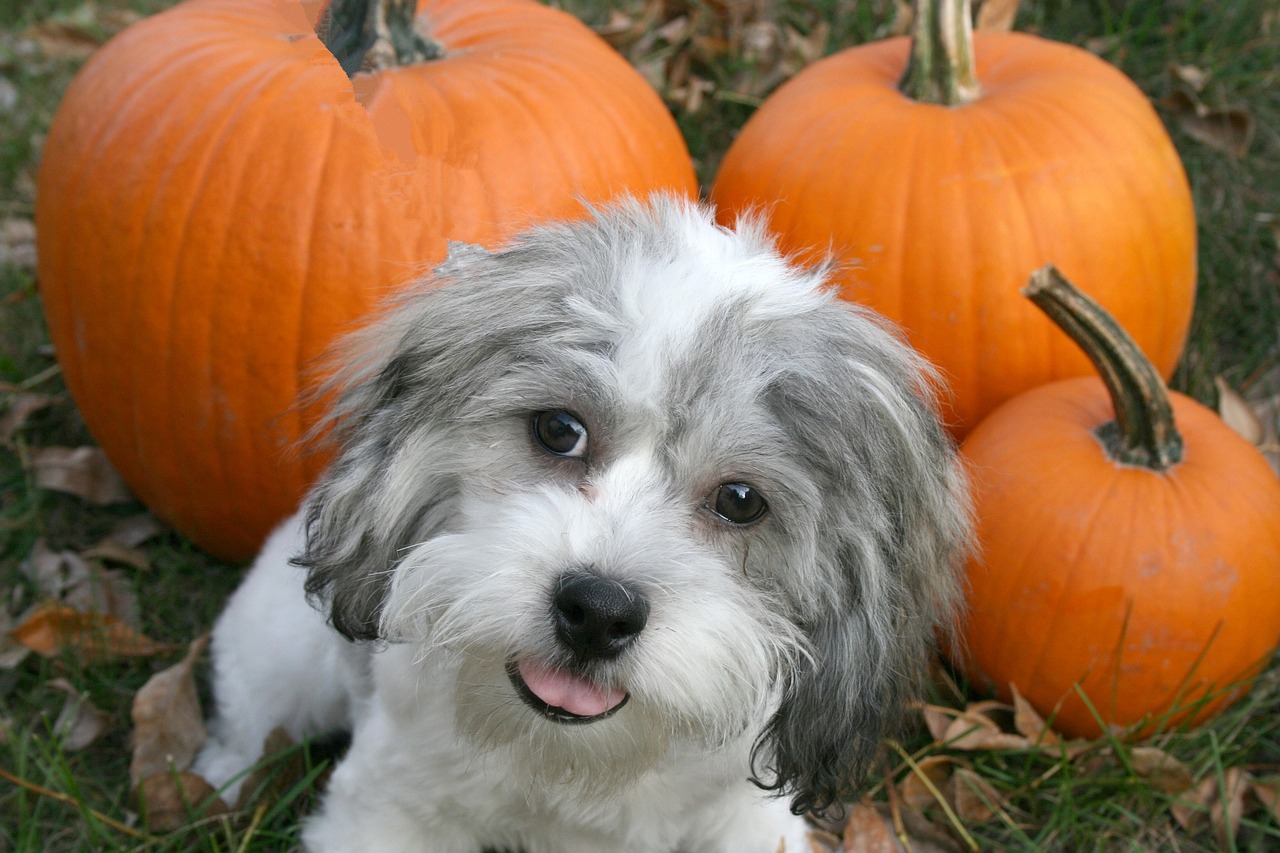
(939, 214)
(1151, 590)
(217, 202)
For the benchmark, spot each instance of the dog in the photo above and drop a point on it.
(637, 539)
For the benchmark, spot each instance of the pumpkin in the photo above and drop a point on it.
(217, 200)
(1129, 568)
(938, 191)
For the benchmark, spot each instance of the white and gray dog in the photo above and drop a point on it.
(642, 534)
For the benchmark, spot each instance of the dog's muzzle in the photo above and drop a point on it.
(594, 619)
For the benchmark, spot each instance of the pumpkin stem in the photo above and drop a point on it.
(1143, 432)
(940, 68)
(366, 36)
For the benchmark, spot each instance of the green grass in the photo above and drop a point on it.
(76, 801)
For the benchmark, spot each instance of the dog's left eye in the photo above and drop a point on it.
(560, 433)
(737, 503)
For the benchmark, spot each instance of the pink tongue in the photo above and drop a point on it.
(566, 691)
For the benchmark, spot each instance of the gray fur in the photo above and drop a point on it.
(823, 408)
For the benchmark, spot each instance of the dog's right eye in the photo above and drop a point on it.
(560, 433)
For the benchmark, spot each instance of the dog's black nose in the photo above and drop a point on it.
(596, 617)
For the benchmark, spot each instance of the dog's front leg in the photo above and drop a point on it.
(747, 821)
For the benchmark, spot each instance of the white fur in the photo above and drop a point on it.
(779, 649)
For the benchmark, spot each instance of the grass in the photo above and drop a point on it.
(64, 800)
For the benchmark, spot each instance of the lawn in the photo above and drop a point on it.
(986, 777)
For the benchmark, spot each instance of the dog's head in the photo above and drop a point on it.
(647, 482)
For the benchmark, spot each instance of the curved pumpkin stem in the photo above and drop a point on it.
(1144, 432)
(374, 35)
(940, 69)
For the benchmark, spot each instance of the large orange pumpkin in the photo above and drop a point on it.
(1130, 550)
(996, 154)
(217, 200)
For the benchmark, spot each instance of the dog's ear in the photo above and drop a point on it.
(895, 516)
(395, 384)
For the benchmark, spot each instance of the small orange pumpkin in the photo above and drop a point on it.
(1130, 543)
(217, 200)
(942, 189)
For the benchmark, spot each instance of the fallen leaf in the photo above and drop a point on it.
(171, 800)
(927, 781)
(996, 15)
(974, 729)
(1161, 769)
(168, 725)
(868, 832)
(111, 551)
(80, 722)
(17, 236)
(1267, 793)
(1228, 811)
(1226, 129)
(80, 471)
(1238, 414)
(19, 408)
(937, 719)
(52, 629)
(1028, 722)
(136, 529)
(974, 799)
(84, 585)
(1192, 76)
(75, 34)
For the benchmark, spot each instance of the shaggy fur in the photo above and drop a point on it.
(701, 368)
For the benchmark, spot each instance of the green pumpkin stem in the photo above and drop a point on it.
(366, 36)
(1143, 433)
(940, 69)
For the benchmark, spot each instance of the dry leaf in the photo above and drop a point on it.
(1028, 722)
(111, 551)
(136, 529)
(1227, 813)
(974, 798)
(52, 629)
(69, 579)
(1161, 769)
(81, 471)
(168, 725)
(76, 34)
(868, 832)
(1193, 77)
(927, 781)
(1267, 793)
(19, 408)
(937, 720)
(1226, 129)
(170, 800)
(80, 722)
(974, 729)
(18, 242)
(1238, 414)
(996, 15)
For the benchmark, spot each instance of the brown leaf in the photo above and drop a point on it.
(18, 243)
(927, 781)
(996, 15)
(76, 34)
(80, 722)
(68, 578)
(974, 729)
(1267, 793)
(51, 629)
(111, 551)
(171, 800)
(1028, 722)
(1238, 414)
(974, 798)
(1161, 769)
(1227, 813)
(19, 407)
(1192, 76)
(937, 719)
(1191, 811)
(81, 471)
(136, 529)
(168, 725)
(868, 832)
(1226, 129)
